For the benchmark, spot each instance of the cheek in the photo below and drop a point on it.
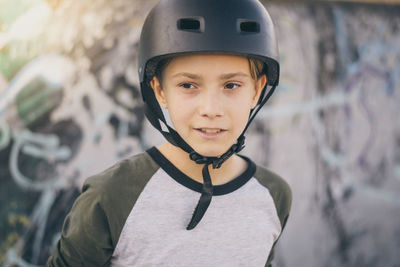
(241, 112)
(241, 118)
(179, 112)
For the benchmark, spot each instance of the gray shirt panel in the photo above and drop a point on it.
(238, 228)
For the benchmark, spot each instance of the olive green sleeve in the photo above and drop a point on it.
(85, 233)
(92, 228)
(282, 196)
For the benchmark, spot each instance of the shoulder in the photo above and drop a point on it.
(116, 189)
(271, 180)
(278, 188)
(92, 228)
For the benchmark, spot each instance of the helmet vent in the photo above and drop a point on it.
(248, 27)
(190, 24)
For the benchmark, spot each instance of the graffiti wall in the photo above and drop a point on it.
(70, 107)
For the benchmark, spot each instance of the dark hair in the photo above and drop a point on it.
(161, 67)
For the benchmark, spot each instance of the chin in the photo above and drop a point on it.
(213, 152)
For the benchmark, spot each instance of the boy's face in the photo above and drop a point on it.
(209, 98)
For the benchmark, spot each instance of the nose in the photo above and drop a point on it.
(211, 104)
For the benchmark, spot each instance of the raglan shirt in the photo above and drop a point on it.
(136, 212)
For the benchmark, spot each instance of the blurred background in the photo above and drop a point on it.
(70, 107)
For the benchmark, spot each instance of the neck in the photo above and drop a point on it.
(230, 169)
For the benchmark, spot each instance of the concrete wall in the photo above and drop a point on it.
(70, 107)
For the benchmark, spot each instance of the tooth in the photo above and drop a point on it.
(210, 130)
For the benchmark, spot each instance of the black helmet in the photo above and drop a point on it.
(177, 27)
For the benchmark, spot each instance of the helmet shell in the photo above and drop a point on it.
(239, 27)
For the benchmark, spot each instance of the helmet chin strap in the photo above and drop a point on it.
(155, 115)
(207, 189)
(217, 161)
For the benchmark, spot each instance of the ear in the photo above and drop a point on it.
(259, 86)
(158, 92)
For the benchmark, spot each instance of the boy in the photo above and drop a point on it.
(209, 64)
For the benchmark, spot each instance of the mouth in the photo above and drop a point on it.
(210, 132)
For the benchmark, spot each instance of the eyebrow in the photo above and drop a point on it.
(222, 77)
(186, 74)
(231, 75)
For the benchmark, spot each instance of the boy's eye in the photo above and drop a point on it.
(187, 85)
(232, 85)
